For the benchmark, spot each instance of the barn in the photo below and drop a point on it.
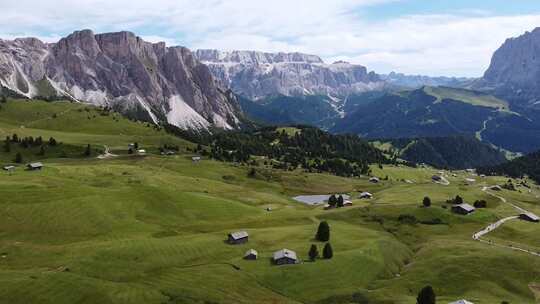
(463, 209)
(285, 256)
(239, 237)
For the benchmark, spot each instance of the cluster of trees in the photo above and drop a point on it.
(334, 201)
(309, 148)
(517, 168)
(480, 204)
(322, 235)
(452, 152)
(26, 143)
(458, 200)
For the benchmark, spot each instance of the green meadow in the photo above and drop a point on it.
(153, 229)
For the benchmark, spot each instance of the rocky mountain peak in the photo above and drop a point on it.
(514, 71)
(144, 80)
(257, 75)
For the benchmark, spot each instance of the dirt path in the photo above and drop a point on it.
(106, 154)
(478, 235)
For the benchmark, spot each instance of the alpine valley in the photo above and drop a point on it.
(136, 172)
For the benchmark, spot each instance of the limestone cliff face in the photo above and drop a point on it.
(142, 79)
(515, 69)
(257, 75)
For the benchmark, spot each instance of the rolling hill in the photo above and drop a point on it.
(152, 228)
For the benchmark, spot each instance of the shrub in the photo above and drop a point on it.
(426, 296)
(426, 202)
(328, 252)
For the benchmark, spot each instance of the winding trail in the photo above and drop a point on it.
(478, 235)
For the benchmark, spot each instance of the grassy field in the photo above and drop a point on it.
(467, 96)
(152, 229)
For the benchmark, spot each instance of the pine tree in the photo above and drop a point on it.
(41, 151)
(52, 141)
(18, 158)
(328, 252)
(7, 144)
(458, 200)
(3, 99)
(15, 138)
(426, 296)
(88, 151)
(313, 252)
(340, 201)
(323, 232)
(426, 202)
(332, 201)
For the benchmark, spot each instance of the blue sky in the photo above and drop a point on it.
(429, 37)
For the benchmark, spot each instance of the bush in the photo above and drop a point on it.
(426, 296)
(313, 252)
(426, 202)
(328, 252)
(480, 204)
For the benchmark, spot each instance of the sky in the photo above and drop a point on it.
(427, 37)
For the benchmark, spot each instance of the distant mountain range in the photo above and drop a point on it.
(208, 89)
(148, 81)
(257, 75)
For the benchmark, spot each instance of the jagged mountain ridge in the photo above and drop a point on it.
(256, 75)
(146, 80)
(514, 72)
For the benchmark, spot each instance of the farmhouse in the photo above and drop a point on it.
(285, 256)
(141, 151)
(239, 237)
(374, 180)
(436, 178)
(347, 203)
(463, 209)
(34, 166)
(196, 159)
(251, 254)
(529, 216)
(365, 195)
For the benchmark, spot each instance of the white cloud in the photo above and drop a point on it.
(456, 44)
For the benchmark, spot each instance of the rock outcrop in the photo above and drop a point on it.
(145, 80)
(514, 72)
(256, 75)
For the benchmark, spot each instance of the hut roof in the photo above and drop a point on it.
(285, 253)
(251, 252)
(239, 235)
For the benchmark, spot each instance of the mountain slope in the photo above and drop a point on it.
(436, 112)
(514, 71)
(454, 152)
(257, 75)
(143, 80)
(517, 168)
(313, 110)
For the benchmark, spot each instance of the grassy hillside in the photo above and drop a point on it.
(151, 229)
(471, 97)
